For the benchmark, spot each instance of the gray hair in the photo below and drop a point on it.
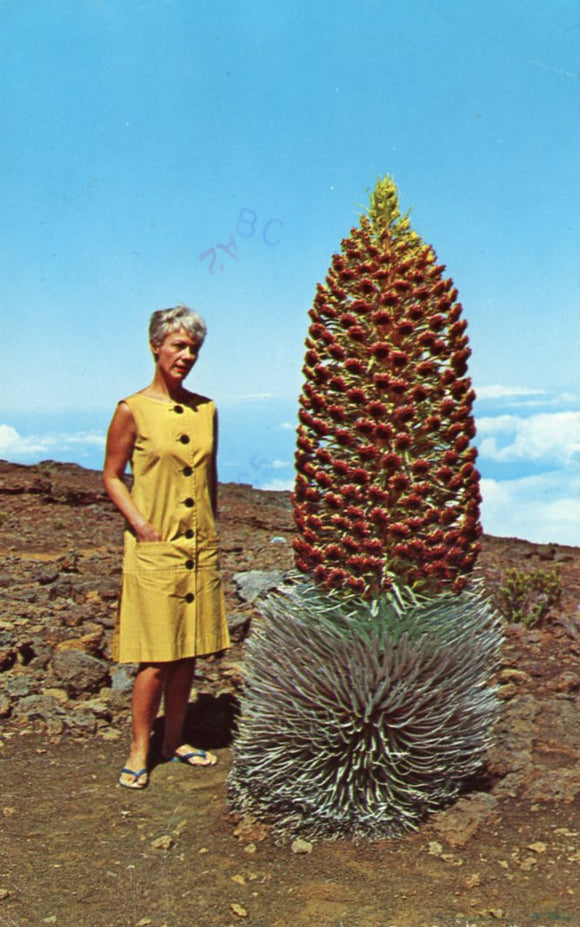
(166, 321)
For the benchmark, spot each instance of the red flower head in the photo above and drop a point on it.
(382, 381)
(382, 317)
(355, 367)
(321, 373)
(367, 286)
(437, 322)
(356, 395)
(402, 441)
(361, 306)
(338, 383)
(337, 351)
(337, 412)
(416, 313)
(404, 414)
(398, 386)
(381, 351)
(384, 431)
(399, 359)
(390, 298)
(344, 437)
(356, 333)
(365, 427)
(377, 409)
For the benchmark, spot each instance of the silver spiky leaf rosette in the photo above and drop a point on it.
(359, 718)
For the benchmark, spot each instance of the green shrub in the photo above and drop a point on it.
(526, 597)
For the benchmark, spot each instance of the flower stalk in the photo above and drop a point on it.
(385, 407)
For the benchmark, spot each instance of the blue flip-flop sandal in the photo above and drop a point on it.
(136, 785)
(186, 757)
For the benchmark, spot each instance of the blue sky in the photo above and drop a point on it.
(139, 137)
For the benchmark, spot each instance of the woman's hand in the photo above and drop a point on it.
(146, 532)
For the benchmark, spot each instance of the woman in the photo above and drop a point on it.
(172, 606)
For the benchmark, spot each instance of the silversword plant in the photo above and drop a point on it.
(367, 701)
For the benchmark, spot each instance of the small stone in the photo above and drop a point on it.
(301, 846)
(144, 922)
(163, 843)
(507, 691)
(472, 881)
(239, 879)
(511, 674)
(88, 643)
(4, 893)
(250, 829)
(451, 859)
(59, 694)
(250, 848)
(110, 734)
(203, 850)
(497, 913)
(435, 849)
(252, 583)
(537, 847)
(237, 909)
(567, 683)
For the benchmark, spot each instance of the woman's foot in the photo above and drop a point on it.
(193, 756)
(135, 772)
(136, 779)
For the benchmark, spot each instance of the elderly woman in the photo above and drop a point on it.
(171, 607)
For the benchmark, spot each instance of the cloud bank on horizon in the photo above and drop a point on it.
(529, 459)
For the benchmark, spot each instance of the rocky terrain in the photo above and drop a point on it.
(75, 849)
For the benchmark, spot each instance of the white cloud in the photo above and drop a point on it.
(507, 392)
(543, 509)
(12, 442)
(553, 437)
(525, 398)
(277, 485)
(279, 464)
(286, 426)
(31, 448)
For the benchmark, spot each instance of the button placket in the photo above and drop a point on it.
(187, 472)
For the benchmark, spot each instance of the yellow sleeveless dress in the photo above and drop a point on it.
(172, 604)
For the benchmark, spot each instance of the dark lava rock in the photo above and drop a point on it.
(79, 672)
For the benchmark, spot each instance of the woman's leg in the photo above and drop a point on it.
(147, 692)
(176, 699)
(178, 682)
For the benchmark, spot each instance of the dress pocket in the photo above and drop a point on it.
(154, 556)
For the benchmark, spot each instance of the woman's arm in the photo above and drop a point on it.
(120, 441)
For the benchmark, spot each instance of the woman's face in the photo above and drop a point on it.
(177, 354)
